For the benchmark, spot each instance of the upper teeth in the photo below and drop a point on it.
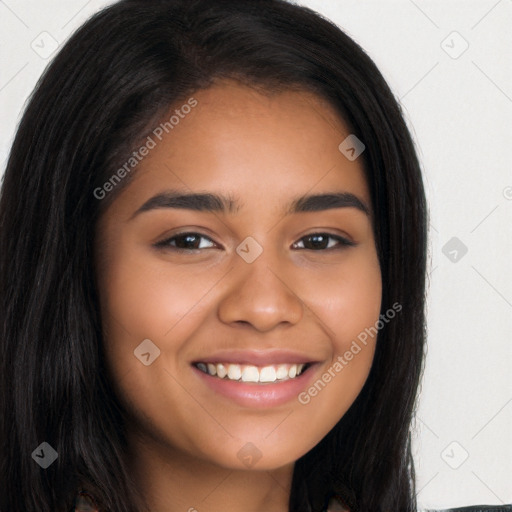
(250, 373)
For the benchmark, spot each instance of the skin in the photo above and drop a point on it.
(264, 150)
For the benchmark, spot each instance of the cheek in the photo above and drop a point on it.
(147, 300)
(347, 303)
(142, 300)
(347, 298)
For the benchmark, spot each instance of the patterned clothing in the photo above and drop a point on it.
(336, 505)
(85, 503)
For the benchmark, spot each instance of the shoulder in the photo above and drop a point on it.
(476, 508)
(336, 505)
(84, 502)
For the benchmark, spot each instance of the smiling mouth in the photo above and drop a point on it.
(251, 373)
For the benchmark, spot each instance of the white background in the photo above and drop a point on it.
(459, 108)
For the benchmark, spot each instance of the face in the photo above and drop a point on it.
(254, 282)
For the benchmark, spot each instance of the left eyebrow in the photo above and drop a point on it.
(208, 202)
(319, 202)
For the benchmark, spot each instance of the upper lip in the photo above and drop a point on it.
(256, 357)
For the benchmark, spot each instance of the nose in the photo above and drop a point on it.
(260, 295)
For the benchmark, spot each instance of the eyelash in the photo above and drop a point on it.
(165, 244)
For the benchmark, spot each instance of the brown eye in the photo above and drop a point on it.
(184, 242)
(320, 241)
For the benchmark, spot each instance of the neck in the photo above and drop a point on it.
(173, 481)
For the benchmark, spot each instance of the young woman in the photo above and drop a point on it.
(213, 254)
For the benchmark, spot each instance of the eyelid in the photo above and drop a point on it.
(164, 244)
(343, 240)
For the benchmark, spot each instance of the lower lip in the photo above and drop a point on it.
(248, 394)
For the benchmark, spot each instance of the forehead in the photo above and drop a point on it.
(256, 147)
